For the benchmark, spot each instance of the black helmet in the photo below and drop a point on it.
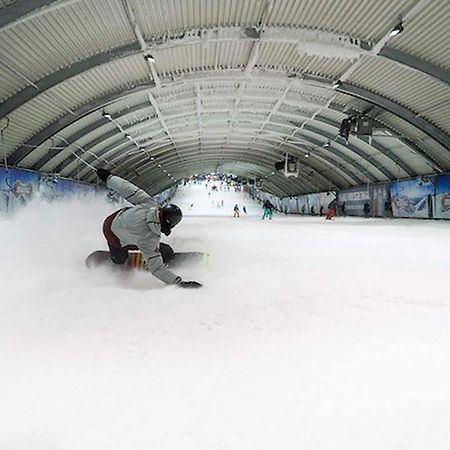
(171, 215)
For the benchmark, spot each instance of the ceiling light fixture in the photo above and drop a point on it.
(337, 84)
(396, 30)
(149, 58)
(106, 115)
(327, 144)
(306, 155)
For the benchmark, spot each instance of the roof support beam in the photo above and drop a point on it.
(22, 10)
(385, 151)
(163, 143)
(192, 37)
(439, 73)
(414, 148)
(89, 129)
(50, 81)
(140, 38)
(397, 109)
(322, 120)
(55, 127)
(154, 103)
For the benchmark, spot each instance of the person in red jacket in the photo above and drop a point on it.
(331, 210)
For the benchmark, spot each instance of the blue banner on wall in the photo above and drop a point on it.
(18, 187)
(413, 198)
(442, 208)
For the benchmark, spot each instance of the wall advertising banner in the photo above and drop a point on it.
(442, 205)
(284, 204)
(351, 201)
(17, 188)
(5, 189)
(292, 205)
(24, 187)
(318, 203)
(54, 188)
(413, 198)
(379, 193)
(303, 205)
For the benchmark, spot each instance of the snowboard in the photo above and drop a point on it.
(135, 261)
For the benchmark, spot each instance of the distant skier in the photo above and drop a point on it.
(236, 211)
(244, 209)
(331, 210)
(268, 210)
(388, 209)
(140, 227)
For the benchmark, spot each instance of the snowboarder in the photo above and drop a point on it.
(140, 227)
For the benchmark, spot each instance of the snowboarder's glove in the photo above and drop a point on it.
(103, 174)
(189, 284)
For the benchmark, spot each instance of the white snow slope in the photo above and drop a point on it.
(307, 334)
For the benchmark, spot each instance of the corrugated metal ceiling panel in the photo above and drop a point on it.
(429, 146)
(10, 84)
(226, 54)
(59, 38)
(285, 56)
(26, 120)
(416, 91)
(5, 3)
(165, 17)
(427, 35)
(123, 74)
(368, 20)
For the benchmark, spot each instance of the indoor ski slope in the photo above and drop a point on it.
(307, 334)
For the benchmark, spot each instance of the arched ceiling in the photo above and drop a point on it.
(234, 85)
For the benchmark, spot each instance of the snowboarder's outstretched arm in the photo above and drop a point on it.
(154, 263)
(125, 189)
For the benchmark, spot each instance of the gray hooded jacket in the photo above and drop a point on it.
(139, 225)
